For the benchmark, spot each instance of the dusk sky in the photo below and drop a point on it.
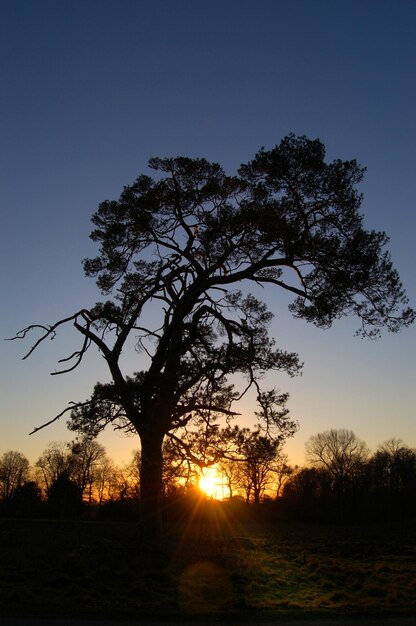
(91, 89)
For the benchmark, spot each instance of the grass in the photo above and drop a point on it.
(216, 567)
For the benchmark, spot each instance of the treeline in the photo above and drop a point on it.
(343, 481)
(67, 480)
(69, 477)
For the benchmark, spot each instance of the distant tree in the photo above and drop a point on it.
(230, 470)
(119, 485)
(55, 461)
(340, 452)
(105, 481)
(14, 471)
(393, 479)
(110, 482)
(176, 253)
(132, 474)
(396, 465)
(260, 456)
(307, 494)
(281, 473)
(87, 455)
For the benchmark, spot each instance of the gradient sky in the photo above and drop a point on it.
(91, 89)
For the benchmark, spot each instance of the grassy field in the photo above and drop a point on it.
(206, 568)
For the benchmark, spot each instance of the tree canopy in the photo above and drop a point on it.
(177, 255)
(339, 450)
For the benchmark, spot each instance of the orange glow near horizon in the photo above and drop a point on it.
(212, 484)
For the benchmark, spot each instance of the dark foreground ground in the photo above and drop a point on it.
(391, 621)
(220, 570)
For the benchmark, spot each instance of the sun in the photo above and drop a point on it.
(210, 482)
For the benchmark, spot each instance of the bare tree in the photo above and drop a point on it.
(105, 481)
(55, 461)
(394, 467)
(339, 451)
(258, 465)
(14, 471)
(282, 472)
(87, 458)
(132, 473)
(230, 470)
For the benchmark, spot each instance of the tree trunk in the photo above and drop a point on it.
(151, 484)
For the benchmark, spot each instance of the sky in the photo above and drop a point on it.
(91, 89)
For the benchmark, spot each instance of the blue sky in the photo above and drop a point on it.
(90, 90)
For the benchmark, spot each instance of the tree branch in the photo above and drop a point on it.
(50, 331)
(73, 405)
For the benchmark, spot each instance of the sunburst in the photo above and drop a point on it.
(211, 483)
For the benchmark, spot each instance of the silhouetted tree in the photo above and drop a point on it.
(307, 494)
(230, 470)
(175, 250)
(281, 472)
(26, 500)
(340, 452)
(120, 486)
(257, 469)
(105, 481)
(178, 470)
(133, 472)
(14, 471)
(87, 455)
(392, 482)
(396, 463)
(56, 460)
(64, 498)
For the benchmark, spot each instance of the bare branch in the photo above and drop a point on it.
(77, 354)
(73, 405)
(50, 331)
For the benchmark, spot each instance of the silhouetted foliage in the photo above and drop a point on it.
(190, 240)
(306, 494)
(380, 487)
(64, 498)
(27, 501)
(259, 455)
(87, 457)
(392, 481)
(121, 510)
